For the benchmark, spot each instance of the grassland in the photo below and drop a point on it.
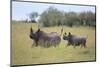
(22, 53)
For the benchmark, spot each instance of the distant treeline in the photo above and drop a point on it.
(54, 17)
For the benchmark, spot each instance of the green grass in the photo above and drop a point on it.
(22, 53)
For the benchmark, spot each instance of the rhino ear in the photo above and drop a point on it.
(69, 33)
(65, 33)
(38, 30)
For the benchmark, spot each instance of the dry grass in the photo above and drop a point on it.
(22, 53)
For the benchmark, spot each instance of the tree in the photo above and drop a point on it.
(33, 16)
(71, 18)
(87, 18)
(51, 17)
(83, 18)
(91, 18)
(54, 17)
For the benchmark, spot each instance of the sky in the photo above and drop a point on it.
(21, 10)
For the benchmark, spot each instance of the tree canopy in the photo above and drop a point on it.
(54, 17)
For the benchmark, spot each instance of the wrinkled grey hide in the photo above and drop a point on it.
(75, 40)
(44, 39)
